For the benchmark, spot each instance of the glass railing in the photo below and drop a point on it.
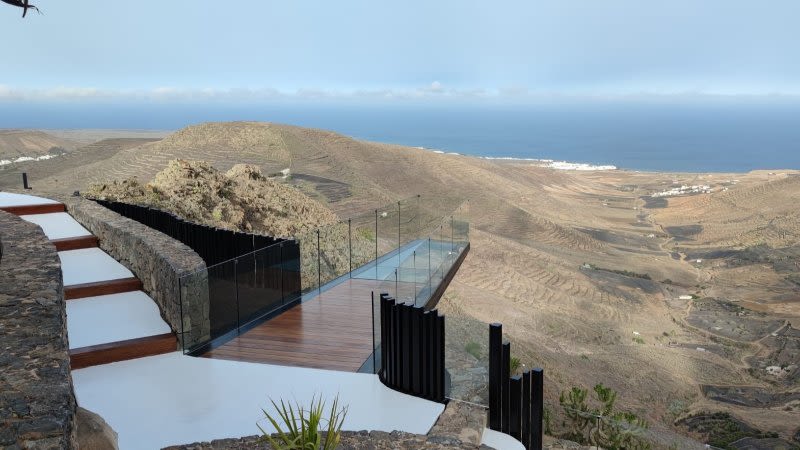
(401, 247)
(227, 297)
(466, 355)
(413, 274)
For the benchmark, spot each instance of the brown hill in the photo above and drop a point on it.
(31, 143)
(590, 280)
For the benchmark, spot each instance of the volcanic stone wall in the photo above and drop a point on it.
(157, 260)
(37, 403)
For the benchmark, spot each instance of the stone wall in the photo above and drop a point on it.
(351, 440)
(37, 403)
(156, 259)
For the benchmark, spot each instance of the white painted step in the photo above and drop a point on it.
(112, 318)
(170, 399)
(10, 199)
(90, 265)
(58, 225)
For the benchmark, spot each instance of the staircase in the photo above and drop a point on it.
(109, 317)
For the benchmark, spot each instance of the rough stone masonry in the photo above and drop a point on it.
(37, 403)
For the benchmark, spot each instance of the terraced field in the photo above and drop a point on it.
(590, 279)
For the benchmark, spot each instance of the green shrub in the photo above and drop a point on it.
(513, 365)
(474, 349)
(598, 424)
(303, 427)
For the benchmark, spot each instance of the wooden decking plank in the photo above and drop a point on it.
(122, 350)
(331, 331)
(75, 243)
(74, 291)
(25, 210)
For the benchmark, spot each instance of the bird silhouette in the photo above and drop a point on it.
(22, 4)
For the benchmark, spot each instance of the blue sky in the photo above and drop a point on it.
(385, 51)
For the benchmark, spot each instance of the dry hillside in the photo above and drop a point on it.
(17, 143)
(592, 277)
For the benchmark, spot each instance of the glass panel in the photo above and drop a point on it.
(222, 296)
(334, 251)
(466, 355)
(389, 284)
(220, 299)
(363, 244)
(195, 324)
(409, 220)
(259, 279)
(309, 260)
(290, 268)
(388, 234)
(461, 227)
(406, 286)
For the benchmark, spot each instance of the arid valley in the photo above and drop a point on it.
(681, 291)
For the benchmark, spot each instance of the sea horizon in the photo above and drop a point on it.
(686, 137)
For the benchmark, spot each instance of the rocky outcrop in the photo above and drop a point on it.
(94, 433)
(462, 421)
(156, 259)
(37, 403)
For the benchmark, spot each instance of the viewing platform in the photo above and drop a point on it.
(333, 326)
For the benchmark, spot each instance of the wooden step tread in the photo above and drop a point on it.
(46, 208)
(76, 291)
(122, 350)
(75, 243)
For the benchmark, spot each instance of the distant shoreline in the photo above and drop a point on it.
(88, 135)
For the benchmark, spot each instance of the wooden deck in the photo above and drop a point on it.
(331, 331)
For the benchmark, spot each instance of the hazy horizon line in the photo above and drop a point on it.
(434, 92)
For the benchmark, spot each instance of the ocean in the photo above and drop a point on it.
(685, 137)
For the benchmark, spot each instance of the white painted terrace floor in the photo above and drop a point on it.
(172, 399)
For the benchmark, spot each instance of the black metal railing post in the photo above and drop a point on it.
(515, 392)
(350, 243)
(525, 430)
(495, 376)
(537, 409)
(440, 368)
(25, 180)
(505, 385)
(372, 302)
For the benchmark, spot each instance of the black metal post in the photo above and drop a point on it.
(505, 381)
(406, 331)
(396, 335)
(385, 324)
(374, 365)
(526, 409)
(537, 409)
(416, 350)
(399, 235)
(283, 288)
(427, 318)
(236, 284)
(440, 369)
(25, 181)
(350, 243)
(515, 392)
(495, 376)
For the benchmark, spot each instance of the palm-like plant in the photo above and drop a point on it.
(303, 427)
